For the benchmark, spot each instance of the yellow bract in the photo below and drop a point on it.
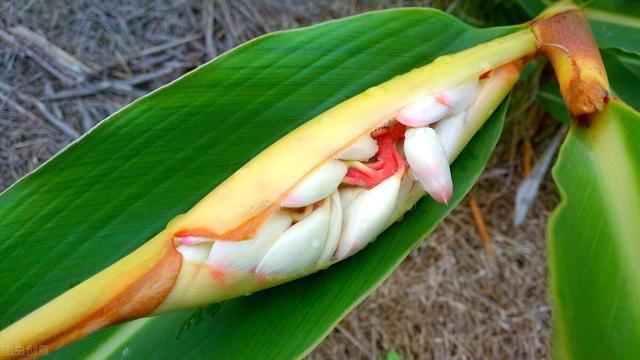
(85, 308)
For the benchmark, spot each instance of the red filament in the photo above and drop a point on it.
(387, 160)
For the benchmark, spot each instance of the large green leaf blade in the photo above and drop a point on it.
(111, 191)
(594, 239)
(594, 284)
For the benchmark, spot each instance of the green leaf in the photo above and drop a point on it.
(551, 99)
(616, 29)
(630, 61)
(392, 355)
(594, 239)
(623, 71)
(112, 190)
(533, 7)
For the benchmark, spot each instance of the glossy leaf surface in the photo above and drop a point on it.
(594, 239)
(112, 190)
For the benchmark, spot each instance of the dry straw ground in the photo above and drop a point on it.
(448, 299)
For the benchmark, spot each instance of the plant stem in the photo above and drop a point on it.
(564, 36)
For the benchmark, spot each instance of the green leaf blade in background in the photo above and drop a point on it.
(594, 285)
(615, 24)
(623, 70)
(594, 239)
(116, 187)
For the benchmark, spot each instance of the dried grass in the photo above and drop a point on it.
(446, 300)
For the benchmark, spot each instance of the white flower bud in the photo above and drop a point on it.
(299, 247)
(348, 194)
(367, 215)
(317, 185)
(194, 253)
(335, 230)
(245, 255)
(428, 160)
(362, 149)
(450, 131)
(460, 97)
(422, 112)
(409, 189)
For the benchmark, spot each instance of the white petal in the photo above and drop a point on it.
(405, 188)
(335, 229)
(422, 112)
(245, 255)
(408, 188)
(428, 160)
(317, 185)
(450, 132)
(298, 249)
(348, 194)
(361, 150)
(194, 253)
(460, 97)
(367, 216)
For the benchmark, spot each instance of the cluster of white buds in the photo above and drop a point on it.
(343, 204)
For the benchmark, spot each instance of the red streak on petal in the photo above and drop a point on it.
(443, 99)
(218, 274)
(262, 278)
(388, 160)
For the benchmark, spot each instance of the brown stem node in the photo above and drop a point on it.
(565, 38)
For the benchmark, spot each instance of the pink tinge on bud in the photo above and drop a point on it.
(422, 112)
(317, 185)
(428, 161)
(459, 97)
(191, 240)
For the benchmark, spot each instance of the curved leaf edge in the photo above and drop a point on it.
(222, 56)
(585, 140)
